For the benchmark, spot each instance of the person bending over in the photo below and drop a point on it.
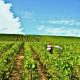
(49, 48)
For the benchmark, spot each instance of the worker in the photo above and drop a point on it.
(49, 48)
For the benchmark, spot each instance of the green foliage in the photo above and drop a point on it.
(63, 65)
(60, 66)
(7, 61)
(29, 64)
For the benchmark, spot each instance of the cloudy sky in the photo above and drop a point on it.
(49, 17)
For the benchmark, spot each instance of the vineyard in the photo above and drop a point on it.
(28, 59)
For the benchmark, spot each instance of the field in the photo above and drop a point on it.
(24, 57)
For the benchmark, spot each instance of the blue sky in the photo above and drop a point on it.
(51, 17)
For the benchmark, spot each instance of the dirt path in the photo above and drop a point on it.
(41, 72)
(16, 74)
(40, 69)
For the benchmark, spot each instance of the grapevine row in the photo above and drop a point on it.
(7, 61)
(29, 64)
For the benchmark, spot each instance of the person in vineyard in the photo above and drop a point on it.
(50, 48)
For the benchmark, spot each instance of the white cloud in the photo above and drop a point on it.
(60, 31)
(8, 23)
(70, 22)
(65, 27)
